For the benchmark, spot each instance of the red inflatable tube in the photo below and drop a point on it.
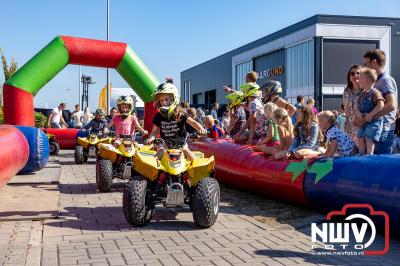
(240, 166)
(14, 152)
(65, 137)
(94, 52)
(20, 100)
(149, 112)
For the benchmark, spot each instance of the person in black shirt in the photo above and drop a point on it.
(98, 123)
(170, 120)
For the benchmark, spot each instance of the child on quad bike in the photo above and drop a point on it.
(98, 123)
(170, 120)
(125, 122)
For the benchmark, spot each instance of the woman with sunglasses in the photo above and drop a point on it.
(350, 99)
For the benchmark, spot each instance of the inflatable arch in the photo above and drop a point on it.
(63, 50)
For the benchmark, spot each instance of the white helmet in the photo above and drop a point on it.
(125, 100)
(170, 89)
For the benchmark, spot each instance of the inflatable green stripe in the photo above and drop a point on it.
(41, 68)
(137, 75)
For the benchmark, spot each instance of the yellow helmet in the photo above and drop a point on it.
(250, 89)
(169, 89)
(235, 97)
(125, 100)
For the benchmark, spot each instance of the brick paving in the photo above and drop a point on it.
(91, 230)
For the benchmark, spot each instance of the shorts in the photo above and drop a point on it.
(385, 144)
(55, 125)
(371, 130)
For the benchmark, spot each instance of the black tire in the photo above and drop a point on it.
(137, 205)
(205, 205)
(54, 148)
(79, 155)
(104, 175)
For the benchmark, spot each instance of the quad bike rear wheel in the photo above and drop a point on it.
(137, 204)
(79, 158)
(104, 175)
(205, 205)
(54, 148)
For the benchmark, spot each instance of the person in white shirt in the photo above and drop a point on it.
(76, 116)
(86, 117)
(56, 119)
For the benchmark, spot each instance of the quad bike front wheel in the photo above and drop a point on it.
(104, 175)
(79, 158)
(137, 205)
(205, 204)
(54, 148)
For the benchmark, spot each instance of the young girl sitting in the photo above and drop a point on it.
(338, 143)
(370, 103)
(170, 120)
(125, 122)
(285, 130)
(306, 137)
(272, 138)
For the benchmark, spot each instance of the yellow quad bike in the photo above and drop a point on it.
(87, 147)
(115, 162)
(172, 181)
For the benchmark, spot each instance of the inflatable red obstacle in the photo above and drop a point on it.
(326, 184)
(63, 50)
(14, 152)
(241, 167)
(65, 137)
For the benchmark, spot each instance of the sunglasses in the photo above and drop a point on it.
(355, 73)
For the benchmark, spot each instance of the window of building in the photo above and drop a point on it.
(210, 97)
(198, 98)
(240, 72)
(186, 91)
(300, 71)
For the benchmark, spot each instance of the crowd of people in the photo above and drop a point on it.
(364, 124)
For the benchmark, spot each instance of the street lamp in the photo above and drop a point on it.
(86, 80)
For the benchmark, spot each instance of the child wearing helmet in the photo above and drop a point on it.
(237, 113)
(98, 123)
(125, 122)
(272, 90)
(170, 120)
(256, 119)
(251, 77)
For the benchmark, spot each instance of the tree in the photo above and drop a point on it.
(8, 70)
(8, 73)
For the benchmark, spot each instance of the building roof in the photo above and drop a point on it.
(319, 18)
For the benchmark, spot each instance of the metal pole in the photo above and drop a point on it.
(79, 87)
(108, 71)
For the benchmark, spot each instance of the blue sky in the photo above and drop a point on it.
(169, 36)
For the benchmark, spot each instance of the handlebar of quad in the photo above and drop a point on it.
(112, 134)
(176, 143)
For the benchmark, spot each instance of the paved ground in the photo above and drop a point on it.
(91, 230)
